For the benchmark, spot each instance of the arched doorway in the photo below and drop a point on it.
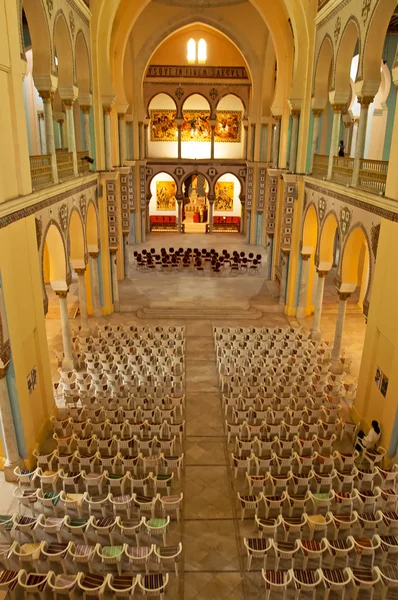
(195, 210)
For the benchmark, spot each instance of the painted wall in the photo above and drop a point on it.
(390, 48)
(237, 210)
(152, 202)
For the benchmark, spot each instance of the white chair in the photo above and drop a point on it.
(293, 525)
(63, 584)
(93, 585)
(139, 555)
(32, 583)
(388, 577)
(307, 580)
(122, 586)
(171, 503)
(285, 551)
(153, 584)
(336, 580)
(366, 547)
(249, 503)
(340, 549)
(9, 582)
(111, 555)
(156, 526)
(83, 554)
(257, 548)
(167, 555)
(313, 550)
(364, 579)
(55, 552)
(276, 581)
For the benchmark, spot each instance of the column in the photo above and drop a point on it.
(115, 283)
(315, 134)
(179, 213)
(305, 271)
(242, 217)
(108, 138)
(316, 324)
(338, 336)
(140, 140)
(282, 289)
(275, 142)
(213, 123)
(270, 248)
(49, 131)
(334, 143)
(82, 300)
(86, 126)
(246, 130)
(145, 140)
(42, 132)
(354, 137)
(70, 127)
(179, 133)
(293, 145)
(95, 286)
(122, 139)
(8, 429)
(211, 198)
(361, 137)
(61, 132)
(67, 363)
(347, 130)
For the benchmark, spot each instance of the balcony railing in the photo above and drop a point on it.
(372, 173)
(65, 165)
(82, 165)
(40, 169)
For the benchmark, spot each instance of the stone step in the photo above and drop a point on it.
(198, 312)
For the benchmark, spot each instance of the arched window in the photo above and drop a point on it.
(202, 51)
(191, 51)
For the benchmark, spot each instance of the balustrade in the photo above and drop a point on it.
(320, 166)
(82, 165)
(65, 165)
(373, 175)
(40, 169)
(342, 169)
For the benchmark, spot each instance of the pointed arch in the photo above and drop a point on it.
(77, 251)
(40, 36)
(345, 51)
(82, 61)
(64, 50)
(327, 239)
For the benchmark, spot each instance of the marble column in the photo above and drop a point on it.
(86, 108)
(305, 272)
(115, 283)
(315, 134)
(108, 138)
(122, 139)
(334, 143)
(242, 216)
(361, 137)
(284, 271)
(179, 133)
(145, 140)
(95, 285)
(213, 129)
(82, 300)
(42, 132)
(49, 131)
(270, 248)
(338, 335)
(70, 127)
(179, 213)
(246, 130)
(61, 132)
(67, 363)
(347, 130)
(211, 200)
(354, 137)
(140, 140)
(8, 429)
(316, 324)
(275, 142)
(293, 145)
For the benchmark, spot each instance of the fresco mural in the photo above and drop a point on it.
(228, 126)
(196, 126)
(165, 195)
(224, 195)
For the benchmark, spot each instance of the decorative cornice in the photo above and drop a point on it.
(332, 13)
(84, 15)
(381, 212)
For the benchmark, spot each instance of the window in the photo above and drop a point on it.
(201, 55)
(202, 51)
(191, 51)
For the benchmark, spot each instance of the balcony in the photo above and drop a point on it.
(41, 172)
(372, 173)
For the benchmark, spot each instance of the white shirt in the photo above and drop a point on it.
(370, 440)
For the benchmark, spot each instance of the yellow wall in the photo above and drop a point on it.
(381, 340)
(21, 277)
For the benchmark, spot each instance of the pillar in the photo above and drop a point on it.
(108, 138)
(42, 132)
(338, 336)
(347, 130)
(282, 289)
(82, 300)
(242, 217)
(8, 429)
(49, 131)
(213, 129)
(70, 127)
(95, 286)
(140, 140)
(316, 324)
(122, 139)
(145, 140)
(115, 283)
(334, 143)
(294, 139)
(275, 142)
(61, 132)
(86, 108)
(211, 198)
(305, 272)
(315, 134)
(246, 130)
(179, 133)
(361, 137)
(354, 137)
(179, 212)
(67, 363)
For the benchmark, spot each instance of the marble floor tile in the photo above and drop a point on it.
(203, 414)
(200, 348)
(201, 376)
(205, 451)
(210, 545)
(207, 493)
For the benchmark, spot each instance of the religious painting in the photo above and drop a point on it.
(163, 126)
(228, 126)
(165, 195)
(224, 195)
(196, 126)
(381, 381)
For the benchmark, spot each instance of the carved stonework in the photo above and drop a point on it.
(72, 23)
(63, 213)
(345, 219)
(179, 93)
(50, 7)
(213, 93)
(366, 4)
(337, 29)
(82, 204)
(39, 231)
(374, 235)
(322, 206)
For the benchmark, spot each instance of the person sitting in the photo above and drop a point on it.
(371, 439)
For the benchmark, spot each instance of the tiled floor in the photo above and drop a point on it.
(213, 562)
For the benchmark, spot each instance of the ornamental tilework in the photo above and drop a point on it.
(289, 195)
(142, 187)
(124, 201)
(272, 198)
(249, 194)
(131, 191)
(111, 201)
(261, 189)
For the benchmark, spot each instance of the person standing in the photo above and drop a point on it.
(341, 148)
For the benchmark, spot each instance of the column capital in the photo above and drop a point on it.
(121, 116)
(364, 101)
(68, 103)
(277, 118)
(343, 295)
(80, 271)
(60, 121)
(46, 96)
(94, 254)
(347, 124)
(285, 251)
(113, 250)
(40, 115)
(85, 108)
(3, 369)
(107, 110)
(305, 256)
(322, 273)
(62, 293)
(317, 112)
(211, 198)
(295, 112)
(338, 108)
